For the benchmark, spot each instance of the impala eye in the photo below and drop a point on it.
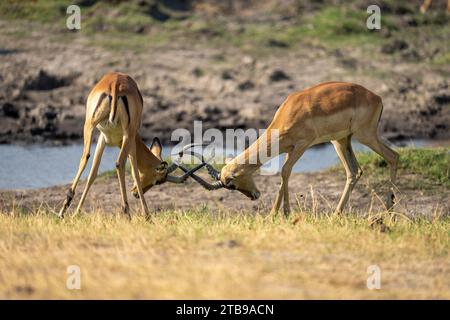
(162, 167)
(229, 184)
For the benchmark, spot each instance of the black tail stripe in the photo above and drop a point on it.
(140, 97)
(127, 109)
(102, 96)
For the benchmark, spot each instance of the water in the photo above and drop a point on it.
(27, 167)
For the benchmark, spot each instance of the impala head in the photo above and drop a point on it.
(153, 170)
(235, 179)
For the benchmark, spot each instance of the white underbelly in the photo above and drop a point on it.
(113, 133)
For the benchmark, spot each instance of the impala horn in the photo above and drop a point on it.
(217, 184)
(175, 165)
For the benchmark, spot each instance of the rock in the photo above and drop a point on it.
(44, 81)
(442, 97)
(10, 111)
(227, 75)
(246, 85)
(278, 75)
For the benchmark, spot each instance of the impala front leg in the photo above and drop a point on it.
(88, 128)
(94, 170)
(283, 193)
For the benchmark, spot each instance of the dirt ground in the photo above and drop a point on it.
(313, 193)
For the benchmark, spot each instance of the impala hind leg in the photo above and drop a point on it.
(94, 170)
(283, 193)
(120, 169)
(376, 144)
(353, 171)
(137, 181)
(87, 135)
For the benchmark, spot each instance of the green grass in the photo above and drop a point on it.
(49, 12)
(432, 164)
(127, 24)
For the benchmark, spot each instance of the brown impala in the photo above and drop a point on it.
(114, 107)
(331, 111)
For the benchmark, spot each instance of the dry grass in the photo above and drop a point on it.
(203, 254)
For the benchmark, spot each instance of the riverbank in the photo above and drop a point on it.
(423, 189)
(229, 71)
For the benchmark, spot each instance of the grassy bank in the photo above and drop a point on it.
(270, 29)
(202, 254)
(431, 164)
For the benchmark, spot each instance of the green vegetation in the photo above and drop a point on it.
(432, 164)
(50, 12)
(133, 24)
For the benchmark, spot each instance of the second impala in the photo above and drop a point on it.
(331, 111)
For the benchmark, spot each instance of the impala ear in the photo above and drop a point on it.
(156, 147)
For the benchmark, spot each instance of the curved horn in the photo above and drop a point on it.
(205, 184)
(173, 166)
(189, 146)
(186, 175)
(215, 174)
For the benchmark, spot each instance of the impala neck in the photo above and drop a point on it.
(145, 158)
(252, 158)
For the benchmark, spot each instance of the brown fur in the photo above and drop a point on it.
(118, 119)
(331, 111)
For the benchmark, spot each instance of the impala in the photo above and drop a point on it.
(114, 107)
(332, 111)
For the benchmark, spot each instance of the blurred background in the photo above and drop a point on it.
(227, 63)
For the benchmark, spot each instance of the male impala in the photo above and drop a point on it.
(332, 111)
(114, 107)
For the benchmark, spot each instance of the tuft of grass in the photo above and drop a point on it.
(199, 253)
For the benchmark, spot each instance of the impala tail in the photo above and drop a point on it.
(112, 113)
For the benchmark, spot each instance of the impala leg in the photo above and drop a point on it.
(277, 204)
(137, 181)
(391, 158)
(425, 5)
(120, 169)
(283, 193)
(87, 134)
(345, 152)
(94, 170)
